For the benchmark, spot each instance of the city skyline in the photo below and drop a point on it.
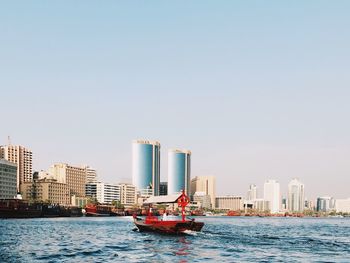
(256, 93)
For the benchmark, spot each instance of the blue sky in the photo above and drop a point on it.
(255, 89)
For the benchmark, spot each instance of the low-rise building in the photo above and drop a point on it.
(261, 205)
(342, 205)
(202, 199)
(234, 203)
(8, 179)
(46, 190)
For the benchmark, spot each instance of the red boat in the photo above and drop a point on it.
(154, 224)
(98, 210)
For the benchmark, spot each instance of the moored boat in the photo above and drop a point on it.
(153, 224)
(17, 208)
(98, 210)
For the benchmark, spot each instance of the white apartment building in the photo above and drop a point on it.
(252, 192)
(296, 196)
(272, 194)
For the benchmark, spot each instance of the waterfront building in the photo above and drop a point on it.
(8, 179)
(91, 175)
(203, 199)
(91, 190)
(179, 171)
(163, 188)
(296, 196)
(205, 184)
(146, 167)
(325, 204)
(261, 205)
(73, 176)
(272, 195)
(104, 193)
(46, 190)
(80, 201)
(229, 202)
(342, 205)
(21, 156)
(128, 194)
(252, 192)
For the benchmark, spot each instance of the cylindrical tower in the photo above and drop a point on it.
(179, 171)
(146, 166)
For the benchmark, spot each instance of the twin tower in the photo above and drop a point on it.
(146, 168)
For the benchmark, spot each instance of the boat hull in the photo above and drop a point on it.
(169, 227)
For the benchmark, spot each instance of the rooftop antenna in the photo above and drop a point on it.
(8, 140)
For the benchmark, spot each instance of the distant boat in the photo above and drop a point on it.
(152, 224)
(98, 210)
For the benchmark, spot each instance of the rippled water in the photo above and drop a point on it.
(224, 239)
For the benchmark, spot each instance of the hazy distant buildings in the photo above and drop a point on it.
(179, 171)
(252, 192)
(342, 205)
(203, 199)
(234, 203)
(21, 156)
(205, 184)
(272, 195)
(296, 196)
(46, 190)
(163, 188)
(8, 179)
(261, 205)
(325, 204)
(146, 166)
(73, 176)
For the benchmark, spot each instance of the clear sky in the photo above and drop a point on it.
(256, 89)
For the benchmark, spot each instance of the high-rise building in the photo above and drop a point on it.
(146, 167)
(8, 179)
(128, 194)
(252, 192)
(163, 188)
(91, 175)
(234, 203)
(47, 190)
(204, 184)
(325, 204)
(179, 171)
(21, 156)
(296, 196)
(73, 176)
(273, 195)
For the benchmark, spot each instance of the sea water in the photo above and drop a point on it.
(223, 239)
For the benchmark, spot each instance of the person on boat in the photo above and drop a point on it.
(165, 216)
